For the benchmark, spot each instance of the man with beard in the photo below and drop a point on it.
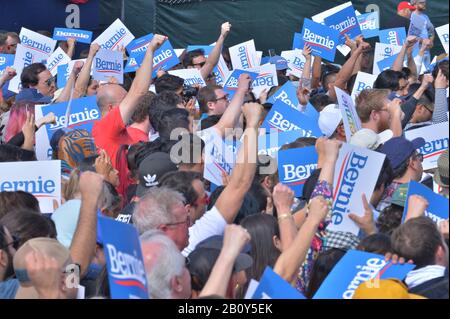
(8, 285)
(377, 113)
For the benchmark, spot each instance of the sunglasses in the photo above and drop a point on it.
(15, 243)
(201, 64)
(50, 81)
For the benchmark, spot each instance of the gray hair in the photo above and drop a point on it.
(155, 208)
(167, 262)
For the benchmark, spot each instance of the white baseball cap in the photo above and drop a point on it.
(329, 119)
(366, 138)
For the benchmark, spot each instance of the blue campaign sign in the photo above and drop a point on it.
(437, 205)
(387, 63)
(284, 119)
(311, 112)
(287, 95)
(206, 48)
(5, 61)
(295, 166)
(231, 84)
(395, 36)
(297, 42)
(269, 144)
(272, 286)
(355, 268)
(345, 22)
(64, 34)
(322, 39)
(124, 261)
(82, 114)
(164, 58)
(369, 24)
(63, 75)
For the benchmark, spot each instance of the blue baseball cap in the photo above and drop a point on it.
(280, 63)
(399, 149)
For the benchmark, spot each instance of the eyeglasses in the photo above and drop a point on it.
(225, 98)
(187, 222)
(201, 64)
(418, 156)
(50, 81)
(15, 243)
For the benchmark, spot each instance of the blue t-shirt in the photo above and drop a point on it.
(8, 288)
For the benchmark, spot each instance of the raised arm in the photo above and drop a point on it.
(440, 100)
(316, 73)
(398, 63)
(85, 74)
(141, 82)
(234, 240)
(231, 115)
(230, 201)
(84, 239)
(283, 198)
(214, 56)
(70, 85)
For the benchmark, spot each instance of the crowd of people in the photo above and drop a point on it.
(199, 239)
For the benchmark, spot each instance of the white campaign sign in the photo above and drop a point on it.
(443, 32)
(356, 173)
(190, 76)
(266, 78)
(36, 41)
(222, 71)
(219, 158)
(363, 81)
(108, 64)
(296, 61)
(40, 178)
(43, 148)
(243, 56)
(436, 138)
(383, 51)
(352, 123)
(24, 57)
(116, 36)
(59, 57)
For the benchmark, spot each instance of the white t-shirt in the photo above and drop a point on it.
(210, 224)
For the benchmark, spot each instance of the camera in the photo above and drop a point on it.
(189, 92)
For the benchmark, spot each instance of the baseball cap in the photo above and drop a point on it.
(280, 62)
(384, 289)
(205, 255)
(441, 173)
(151, 169)
(367, 138)
(405, 5)
(329, 119)
(399, 149)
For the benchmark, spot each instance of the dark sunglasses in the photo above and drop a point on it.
(50, 81)
(15, 243)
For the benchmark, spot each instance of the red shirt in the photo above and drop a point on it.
(137, 135)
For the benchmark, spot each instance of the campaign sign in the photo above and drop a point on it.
(355, 268)
(322, 39)
(295, 166)
(345, 22)
(115, 36)
(369, 24)
(190, 76)
(296, 62)
(40, 178)
(58, 57)
(310, 111)
(356, 173)
(139, 45)
(221, 71)
(387, 63)
(219, 158)
(266, 79)
(395, 36)
(83, 113)
(363, 81)
(63, 34)
(5, 61)
(243, 56)
(24, 57)
(272, 286)
(36, 41)
(287, 95)
(418, 26)
(436, 138)
(206, 49)
(443, 36)
(437, 205)
(270, 144)
(124, 260)
(64, 71)
(284, 119)
(383, 51)
(352, 123)
(43, 149)
(320, 17)
(231, 84)
(108, 64)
